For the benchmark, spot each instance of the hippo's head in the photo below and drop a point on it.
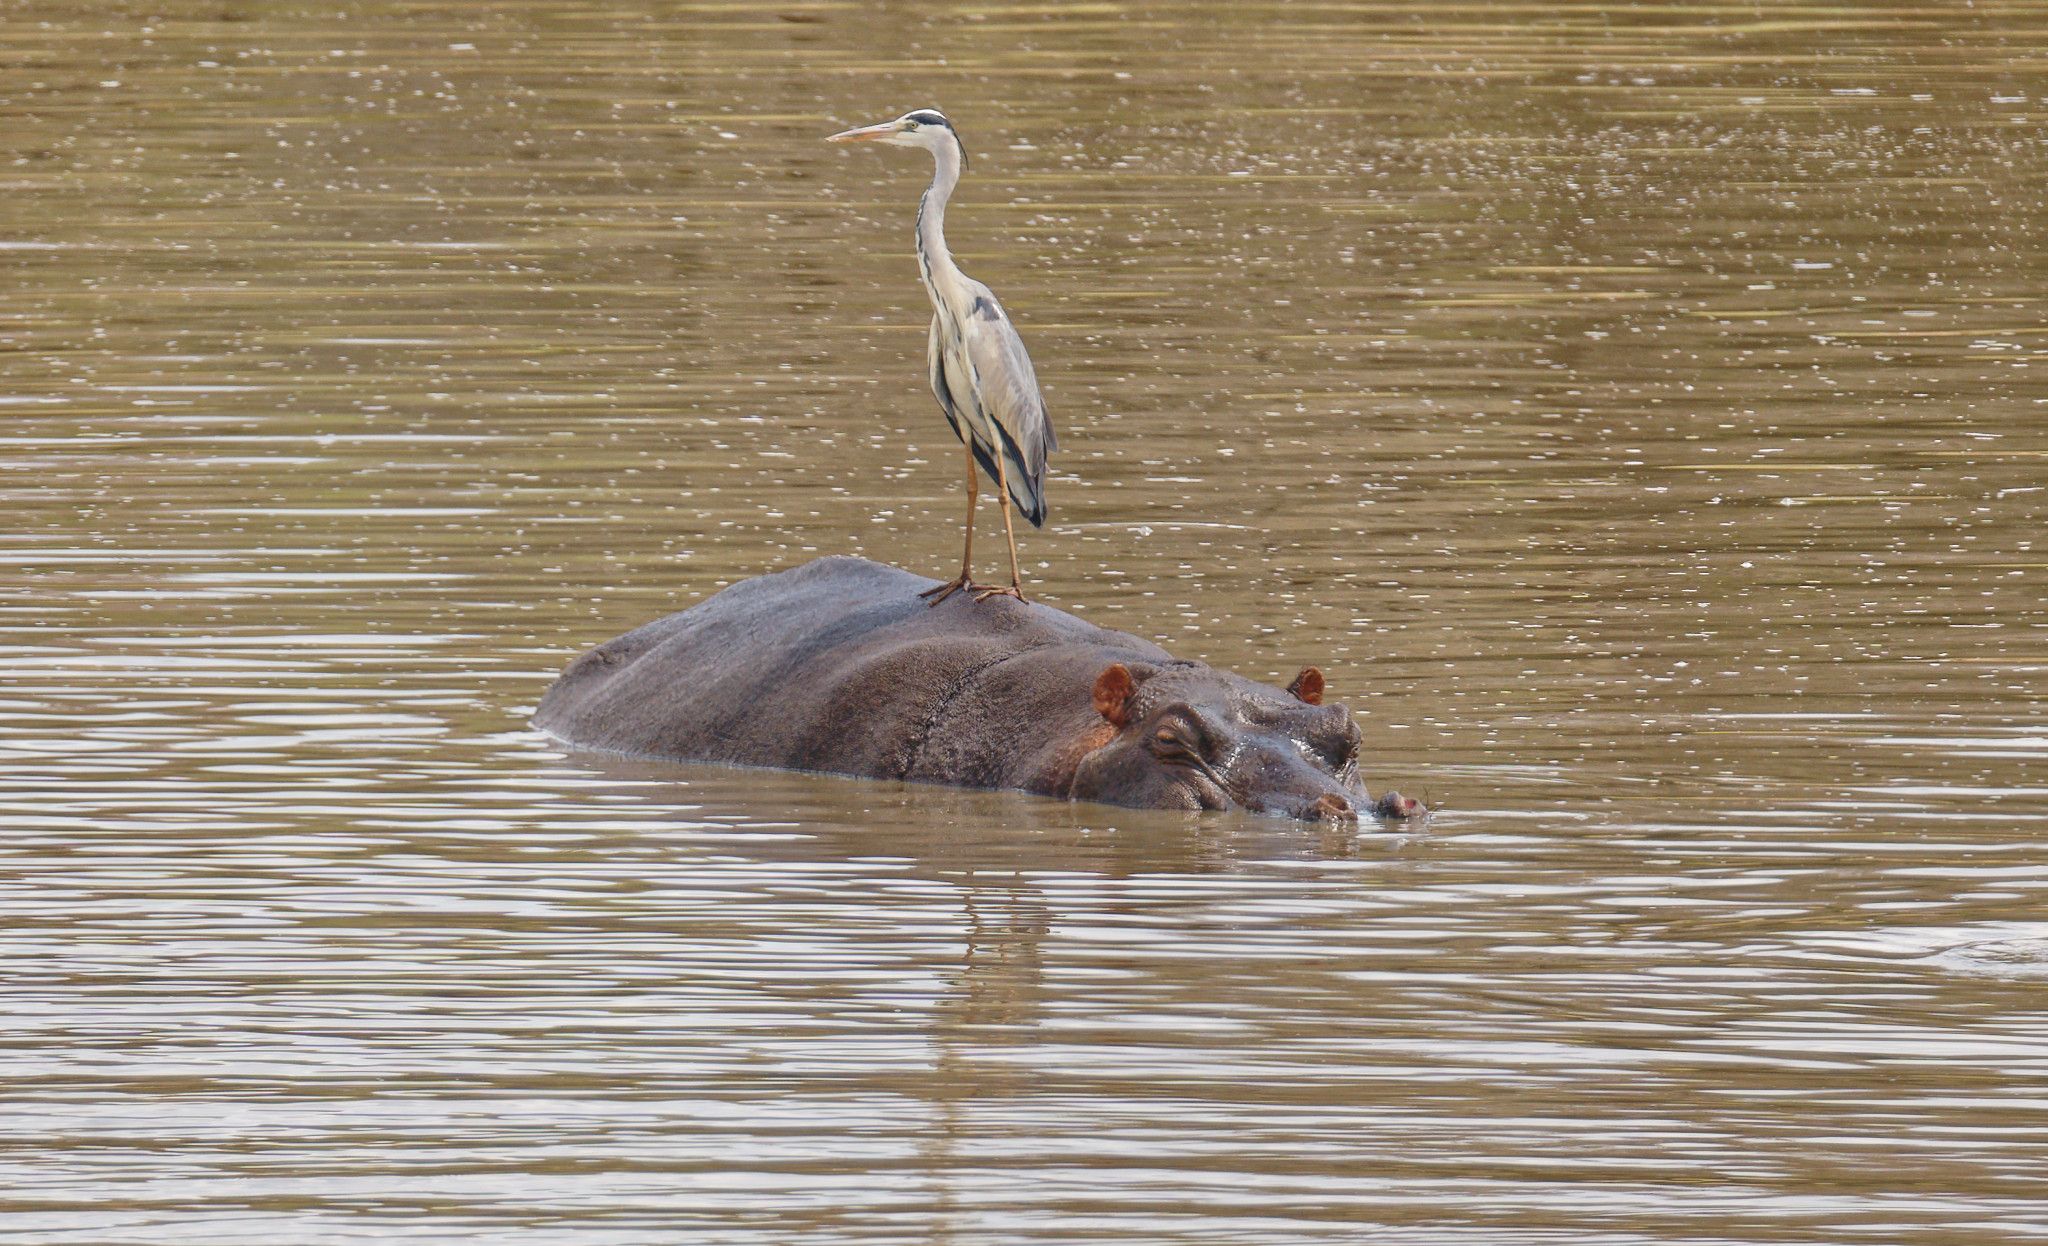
(1187, 736)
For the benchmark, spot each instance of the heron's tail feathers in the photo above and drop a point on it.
(1027, 482)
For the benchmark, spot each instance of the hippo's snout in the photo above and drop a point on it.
(1331, 807)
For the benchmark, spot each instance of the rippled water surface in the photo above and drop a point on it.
(1639, 411)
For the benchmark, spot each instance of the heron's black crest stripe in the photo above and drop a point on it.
(925, 116)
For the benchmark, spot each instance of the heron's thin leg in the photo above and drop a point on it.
(973, 495)
(1016, 588)
(936, 595)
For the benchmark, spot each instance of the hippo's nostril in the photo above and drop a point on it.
(1395, 805)
(1333, 808)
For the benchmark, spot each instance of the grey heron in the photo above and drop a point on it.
(979, 371)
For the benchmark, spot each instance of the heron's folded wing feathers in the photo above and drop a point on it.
(1008, 389)
(951, 387)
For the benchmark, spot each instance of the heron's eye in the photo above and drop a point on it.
(910, 125)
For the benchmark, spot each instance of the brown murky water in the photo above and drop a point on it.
(1641, 412)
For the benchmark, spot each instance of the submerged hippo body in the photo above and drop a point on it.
(838, 666)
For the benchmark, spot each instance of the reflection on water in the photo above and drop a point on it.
(1633, 410)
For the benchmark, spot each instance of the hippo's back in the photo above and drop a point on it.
(837, 665)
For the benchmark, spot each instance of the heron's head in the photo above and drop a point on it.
(921, 127)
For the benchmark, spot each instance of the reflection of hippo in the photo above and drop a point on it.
(838, 666)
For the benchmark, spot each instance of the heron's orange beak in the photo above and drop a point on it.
(864, 134)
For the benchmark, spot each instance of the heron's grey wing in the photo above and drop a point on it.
(955, 392)
(942, 388)
(1009, 397)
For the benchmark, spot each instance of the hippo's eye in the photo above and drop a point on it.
(1176, 739)
(1336, 754)
(1345, 754)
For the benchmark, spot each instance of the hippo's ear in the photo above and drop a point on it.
(1308, 686)
(1113, 688)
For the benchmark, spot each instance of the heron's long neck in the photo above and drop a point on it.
(934, 262)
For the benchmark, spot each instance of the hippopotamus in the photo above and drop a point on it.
(838, 666)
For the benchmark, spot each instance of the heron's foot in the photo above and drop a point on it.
(983, 592)
(939, 592)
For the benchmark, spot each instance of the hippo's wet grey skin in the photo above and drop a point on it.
(838, 666)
